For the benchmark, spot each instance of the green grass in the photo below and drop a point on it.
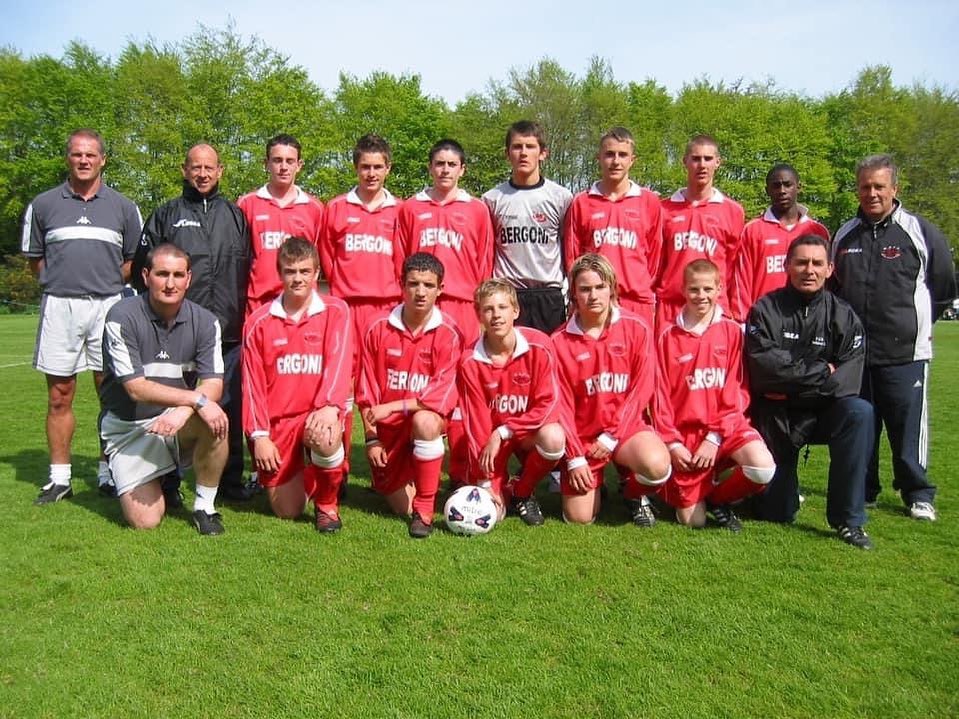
(274, 620)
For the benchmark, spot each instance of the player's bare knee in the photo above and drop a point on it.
(427, 425)
(759, 475)
(550, 438)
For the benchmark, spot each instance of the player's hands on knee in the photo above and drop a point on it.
(597, 451)
(490, 451)
(323, 427)
(581, 479)
(705, 456)
(171, 422)
(266, 456)
(681, 457)
(377, 413)
(215, 418)
(376, 455)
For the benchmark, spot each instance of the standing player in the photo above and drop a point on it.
(79, 239)
(276, 211)
(528, 212)
(358, 251)
(607, 379)
(760, 266)
(510, 399)
(407, 389)
(699, 221)
(700, 408)
(621, 221)
(445, 221)
(297, 354)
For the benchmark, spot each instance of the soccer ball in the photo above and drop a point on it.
(470, 510)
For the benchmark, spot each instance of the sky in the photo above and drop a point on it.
(810, 47)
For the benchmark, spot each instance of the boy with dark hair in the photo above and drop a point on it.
(407, 391)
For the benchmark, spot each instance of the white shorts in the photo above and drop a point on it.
(136, 456)
(70, 334)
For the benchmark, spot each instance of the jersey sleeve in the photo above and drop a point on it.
(336, 383)
(326, 243)
(641, 393)
(567, 417)
(477, 421)
(256, 407)
(151, 236)
(121, 349)
(664, 418)
(132, 229)
(209, 355)
(733, 397)
(572, 235)
(440, 395)
(368, 387)
(32, 242)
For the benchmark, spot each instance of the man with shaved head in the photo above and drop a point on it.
(213, 231)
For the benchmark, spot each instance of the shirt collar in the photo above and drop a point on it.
(717, 317)
(301, 197)
(460, 196)
(396, 319)
(574, 328)
(316, 306)
(522, 347)
(769, 216)
(389, 200)
(634, 190)
(680, 196)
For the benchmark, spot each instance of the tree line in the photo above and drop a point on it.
(152, 102)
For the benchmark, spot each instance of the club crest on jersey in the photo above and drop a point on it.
(617, 349)
(458, 217)
(521, 378)
(719, 351)
(313, 338)
(632, 214)
(540, 217)
(426, 355)
(890, 252)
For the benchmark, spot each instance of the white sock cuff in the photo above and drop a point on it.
(759, 475)
(60, 474)
(334, 460)
(551, 456)
(205, 496)
(427, 449)
(643, 479)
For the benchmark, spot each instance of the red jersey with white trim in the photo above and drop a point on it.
(292, 367)
(358, 248)
(760, 266)
(270, 225)
(522, 395)
(459, 233)
(396, 364)
(700, 380)
(605, 383)
(628, 232)
(694, 230)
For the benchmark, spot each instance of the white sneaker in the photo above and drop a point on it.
(923, 511)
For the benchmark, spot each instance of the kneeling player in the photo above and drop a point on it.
(297, 353)
(607, 379)
(407, 390)
(700, 408)
(510, 400)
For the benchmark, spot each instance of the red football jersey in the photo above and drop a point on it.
(522, 395)
(396, 364)
(694, 230)
(760, 266)
(606, 384)
(358, 249)
(270, 225)
(459, 233)
(293, 367)
(700, 380)
(628, 232)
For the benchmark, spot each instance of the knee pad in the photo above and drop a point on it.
(331, 462)
(759, 475)
(551, 456)
(643, 479)
(428, 449)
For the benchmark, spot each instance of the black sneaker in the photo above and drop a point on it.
(107, 489)
(51, 493)
(528, 510)
(243, 491)
(642, 512)
(855, 536)
(209, 525)
(418, 528)
(326, 524)
(726, 518)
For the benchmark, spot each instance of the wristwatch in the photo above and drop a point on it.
(201, 402)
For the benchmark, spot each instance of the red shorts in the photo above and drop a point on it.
(596, 466)
(644, 310)
(500, 476)
(362, 314)
(287, 435)
(395, 434)
(464, 315)
(685, 489)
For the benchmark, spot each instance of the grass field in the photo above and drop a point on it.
(274, 620)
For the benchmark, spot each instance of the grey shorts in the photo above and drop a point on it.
(136, 456)
(70, 334)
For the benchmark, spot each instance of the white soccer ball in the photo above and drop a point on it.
(470, 510)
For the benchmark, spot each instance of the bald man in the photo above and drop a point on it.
(213, 231)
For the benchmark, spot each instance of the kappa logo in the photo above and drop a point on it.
(280, 342)
(162, 354)
(83, 220)
(353, 220)
(683, 359)
(581, 357)
(492, 385)
(771, 241)
(424, 216)
(394, 352)
(261, 218)
(597, 216)
(679, 218)
(186, 223)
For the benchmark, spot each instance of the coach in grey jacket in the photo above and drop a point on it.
(896, 271)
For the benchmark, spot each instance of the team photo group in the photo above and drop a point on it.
(528, 337)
